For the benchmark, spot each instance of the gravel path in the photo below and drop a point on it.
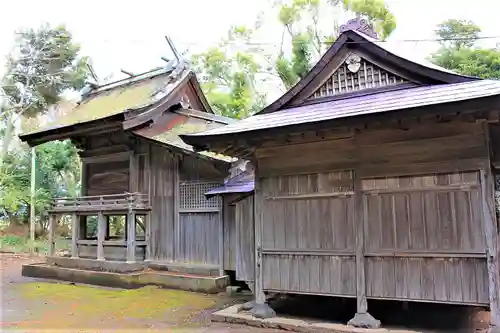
(26, 308)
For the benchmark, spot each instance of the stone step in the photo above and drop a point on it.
(185, 268)
(172, 280)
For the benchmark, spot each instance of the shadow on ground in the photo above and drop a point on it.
(421, 317)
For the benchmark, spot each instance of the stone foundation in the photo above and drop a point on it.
(204, 284)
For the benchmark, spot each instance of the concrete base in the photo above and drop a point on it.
(364, 320)
(262, 311)
(205, 284)
(234, 316)
(185, 268)
(95, 265)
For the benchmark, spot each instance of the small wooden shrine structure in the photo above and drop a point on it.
(374, 179)
(134, 165)
(237, 194)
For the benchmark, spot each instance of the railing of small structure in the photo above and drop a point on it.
(126, 203)
(122, 201)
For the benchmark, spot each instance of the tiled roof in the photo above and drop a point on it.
(242, 183)
(356, 106)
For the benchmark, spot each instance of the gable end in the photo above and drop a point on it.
(356, 74)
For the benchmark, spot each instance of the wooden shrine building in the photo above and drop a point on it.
(374, 179)
(136, 169)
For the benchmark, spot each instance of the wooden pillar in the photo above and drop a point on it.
(131, 236)
(177, 203)
(52, 230)
(492, 246)
(221, 236)
(75, 233)
(147, 234)
(362, 318)
(101, 234)
(492, 235)
(260, 297)
(361, 302)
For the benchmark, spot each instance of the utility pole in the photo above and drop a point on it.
(32, 201)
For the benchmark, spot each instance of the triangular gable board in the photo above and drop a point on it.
(356, 74)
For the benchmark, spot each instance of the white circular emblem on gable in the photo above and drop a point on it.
(353, 63)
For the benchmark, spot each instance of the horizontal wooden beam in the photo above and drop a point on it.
(199, 210)
(448, 188)
(425, 254)
(312, 196)
(309, 252)
(113, 157)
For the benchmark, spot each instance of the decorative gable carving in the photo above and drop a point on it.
(356, 74)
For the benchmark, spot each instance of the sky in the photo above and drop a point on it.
(130, 34)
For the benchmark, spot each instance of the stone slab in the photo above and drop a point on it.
(95, 265)
(233, 315)
(185, 268)
(204, 284)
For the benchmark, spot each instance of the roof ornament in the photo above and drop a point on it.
(353, 62)
(360, 25)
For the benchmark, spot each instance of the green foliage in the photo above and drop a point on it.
(45, 63)
(228, 74)
(457, 34)
(376, 12)
(458, 53)
(308, 37)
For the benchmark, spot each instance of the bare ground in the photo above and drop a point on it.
(33, 305)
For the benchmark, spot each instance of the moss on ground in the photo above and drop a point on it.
(65, 306)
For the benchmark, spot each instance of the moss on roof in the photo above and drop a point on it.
(111, 102)
(192, 125)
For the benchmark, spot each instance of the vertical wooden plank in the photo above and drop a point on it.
(492, 237)
(131, 237)
(360, 219)
(220, 221)
(177, 203)
(52, 230)
(147, 223)
(75, 233)
(260, 298)
(101, 231)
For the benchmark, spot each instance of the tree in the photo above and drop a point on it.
(228, 73)
(45, 63)
(459, 53)
(309, 38)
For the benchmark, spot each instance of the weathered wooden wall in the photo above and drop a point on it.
(420, 206)
(163, 168)
(199, 238)
(229, 227)
(245, 240)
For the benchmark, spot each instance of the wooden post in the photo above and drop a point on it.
(147, 233)
(131, 233)
(221, 236)
(32, 199)
(177, 203)
(492, 237)
(52, 230)
(101, 233)
(362, 318)
(491, 230)
(361, 302)
(260, 297)
(75, 232)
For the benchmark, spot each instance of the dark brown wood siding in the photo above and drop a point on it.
(419, 210)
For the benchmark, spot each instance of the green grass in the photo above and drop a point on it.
(22, 244)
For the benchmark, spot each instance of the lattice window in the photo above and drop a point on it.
(368, 75)
(192, 195)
